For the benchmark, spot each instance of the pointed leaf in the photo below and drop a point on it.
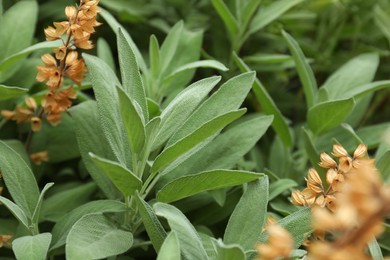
(16, 211)
(202, 133)
(94, 236)
(228, 252)
(19, 179)
(278, 187)
(122, 178)
(132, 121)
(37, 210)
(253, 208)
(190, 242)
(226, 16)
(32, 247)
(170, 249)
(169, 47)
(210, 180)
(327, 115)
(131, 77)
(304, 71)
(152, 225)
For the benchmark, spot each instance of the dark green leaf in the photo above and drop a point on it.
(11, 92)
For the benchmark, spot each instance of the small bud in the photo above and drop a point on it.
(31, 104)
(360, 152)
(327, 161)
(339, 151)
(7, 114)
(36, 124)
(331, 175)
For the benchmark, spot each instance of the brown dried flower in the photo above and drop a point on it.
(280, 244)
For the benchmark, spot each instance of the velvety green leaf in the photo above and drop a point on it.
(169, 47)
(253, 208)
(210, 180)
(356, 72)
(11, 92)
(327, 115)
(278, 187)
(152, 225)
(89, 133)
(213, 64)
(375, 250)
(383, 165)
(17, 27)
(364, 89)
(170, 249)
(226, 149)
(15, 210)
(180, 108)
(279, 124)
(131, 77)
(226, 16)
(32, 247)
(19, 179)
(268, 14)
(94, 236)
(18, 147)
(104, 84)
(190, 243)
(113, 23)
(304, 71)
(228, 97)
(63, 226)
(154, 52)
(104, 52)
(37, 210)
(228, 252)
(182, 146)
(59, 204)
(132, 121)
(122, 178)
(298, 224)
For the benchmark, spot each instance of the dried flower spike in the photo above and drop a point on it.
(280, 244)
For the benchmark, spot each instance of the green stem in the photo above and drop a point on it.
(128, 207)
(150, 187)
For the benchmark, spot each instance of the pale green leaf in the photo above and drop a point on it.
(122, 178)
(253, 208)
(210, 180)
(278, 187)
(226, 16)
(37, 210)
(169, 47)
(32, 247)
(190, 242)
(94, 236)
(170, 249)
(375, 250)
(228, 252)
(104, 52)
(15, 210)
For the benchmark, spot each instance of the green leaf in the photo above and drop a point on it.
(310, 149)
(37, 210)
(16, 211)
(278, 187)
(132, 121)
(170, 249)
(327, 115)
(229, 97)
(59, 204)
(104, 52)
(298, 224)
(304, 71)
(246, 13)
(63, 226)
(169, 47)
(11, 92)
(364, 89)
(122, 178)
(152, 225)
(226, 149)
(17, 27)
(113, 23)
(19, 179)
(12, 62)
(213, 64)
(210, 180)
(227, 17)
(268, 14)
(181, 107)
(356, 72)
(171, 153)
(375, 250)
(89, 133)
(154, 52)
(253, 208)
(32, 247)
(190, 242)
(94, 236)
(382, 21)
(228, 252)
(131, 77)
(279, 124)
(104, 84)
(383, 165)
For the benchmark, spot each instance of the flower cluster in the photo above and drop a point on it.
(25, 114)
(348, 213)
(316, 193)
